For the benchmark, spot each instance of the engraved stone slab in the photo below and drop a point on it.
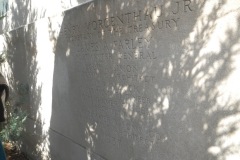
(140, 80)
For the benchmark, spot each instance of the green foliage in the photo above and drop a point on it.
(2, 55)
(14, 126)
(3, 8)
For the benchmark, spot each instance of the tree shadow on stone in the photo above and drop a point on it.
(19, 13)
(22, 71)
(168, 99)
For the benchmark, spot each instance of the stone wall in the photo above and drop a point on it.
(24, 12)
(130, 80)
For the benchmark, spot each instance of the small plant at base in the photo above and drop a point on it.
(14, 126)
(3, 57)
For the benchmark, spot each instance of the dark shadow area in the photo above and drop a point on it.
(149, 88)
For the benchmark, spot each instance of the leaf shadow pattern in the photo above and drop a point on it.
(22, 72)
(163, 86)
(19, 14)
(186, 109)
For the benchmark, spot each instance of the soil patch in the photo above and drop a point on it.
(12, 153)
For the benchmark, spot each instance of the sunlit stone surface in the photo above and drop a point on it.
(137, 80)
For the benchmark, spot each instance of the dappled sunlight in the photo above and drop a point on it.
(22, 12)
(43, 147)
(91, 137)
(215, 75)
(133, 80)
(137, 80)
(227, 145)
(45, 75)
(30, 61)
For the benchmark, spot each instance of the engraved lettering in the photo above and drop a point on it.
(137, 16)
(135, 78)
(168, 23)
(120, 18)
(140, 41)
(128, 17)
(126, 68)
(106, 22)
(94, 24)
(100, 23)
(147, 14)
(127, 43)
(140, 28)
(187, 5)
(112, 21)
(132, 55)
(175, 21)
(160, 24)
(161, 10)
(177, 8)
(135, 28)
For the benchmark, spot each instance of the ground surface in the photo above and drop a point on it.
(13, 154)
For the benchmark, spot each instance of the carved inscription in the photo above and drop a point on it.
(117, 52)
(150, 14)
(158, 17)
